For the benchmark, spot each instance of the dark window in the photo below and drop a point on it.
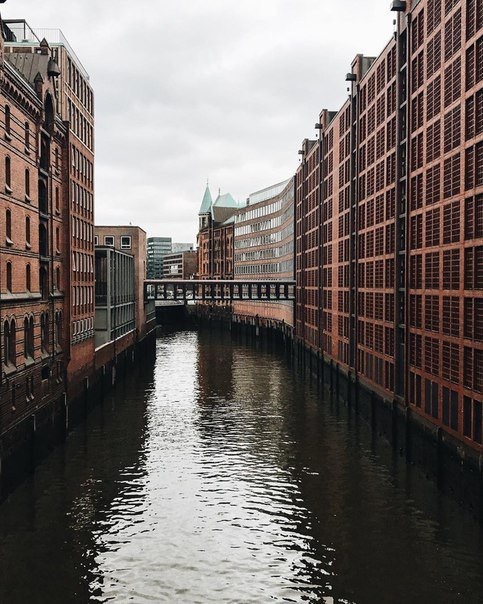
(8, 174)
(9, 344)
(477, 421)
(434, 399)
(446, 406)
(27, 136)
(28, 278)
(7, 120)
(44, 331)
(467, 416)
(28, 337)
(9, 277)
(454, 410)
(8, 225)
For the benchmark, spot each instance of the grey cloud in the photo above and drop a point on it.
(193, 89)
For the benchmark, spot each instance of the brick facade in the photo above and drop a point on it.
(33, 241)
(75, 106)
(401, 240)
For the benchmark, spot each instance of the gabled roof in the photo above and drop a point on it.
(207, 202)
(225, 201)
(30, 65)
(223, 208)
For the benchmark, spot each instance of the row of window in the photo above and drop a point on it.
(9, 132)
(443, 402)
(265, 239)
(260, 269)
(443, 315)
(82, 200)
(43, 246)
(258, 211)
(80, 125)
(82, 168)
(10, 336)
(265, 254)
(82, 232)
(43, 194)
(43, 280)
(82, 263)
(83, 298)
(109, 240)
(82, 329)
(79, 86)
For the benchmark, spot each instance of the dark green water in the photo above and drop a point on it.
(219, 475)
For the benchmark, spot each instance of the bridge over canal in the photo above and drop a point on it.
(205, 290)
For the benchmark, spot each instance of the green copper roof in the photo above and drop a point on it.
(207, 202)
(225, 201)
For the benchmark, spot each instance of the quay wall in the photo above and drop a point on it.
(28, 442)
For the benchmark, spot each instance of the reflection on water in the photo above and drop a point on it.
(221, 476)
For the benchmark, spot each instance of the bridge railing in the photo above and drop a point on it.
(218, 290)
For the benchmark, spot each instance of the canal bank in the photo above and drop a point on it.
(455, 468)
(221, 475)
(33, 437)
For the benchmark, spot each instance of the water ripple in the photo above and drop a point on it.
(221, 477)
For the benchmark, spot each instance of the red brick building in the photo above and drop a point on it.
(74, 104)
(307, 245)
(34, 241)
(390, 273)
(215, 236)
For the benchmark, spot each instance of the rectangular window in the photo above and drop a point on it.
(109, 240)
(125, 242)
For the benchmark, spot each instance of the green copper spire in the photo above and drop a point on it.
(207, 201)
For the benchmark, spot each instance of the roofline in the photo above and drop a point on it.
(277, 184)
(119, 226)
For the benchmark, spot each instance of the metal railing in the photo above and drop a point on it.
(218, 290)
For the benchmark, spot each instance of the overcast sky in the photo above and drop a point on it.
(195, 89)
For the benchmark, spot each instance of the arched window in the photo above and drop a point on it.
(28, 278)
(43, 243)
(27, 230)
(43, 198)
(49, 113)
(44, 283)
(58, 328)
(44, 331)
(6, 342)
(13, 342)
(31, 337)
(9, 277)
(27, 136)
(57, 278)
(8, 226)
(7, 120)
(8, 175)
(26, 338)
(9, 344)
(27, 185)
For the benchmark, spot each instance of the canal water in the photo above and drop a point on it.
(220, 475)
